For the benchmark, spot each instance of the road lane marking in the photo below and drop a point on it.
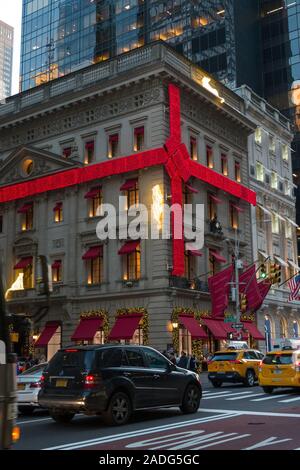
(267, 442)
(143, 432)
(224, 396)
(222, 441)
(252, 413)
(245, 396)
(34, 421)
(289, 400)
(273, 397)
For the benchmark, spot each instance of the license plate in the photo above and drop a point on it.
(61, 383)
(21, 386)
(277, 371)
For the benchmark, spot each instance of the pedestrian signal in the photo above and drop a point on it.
(243, 303)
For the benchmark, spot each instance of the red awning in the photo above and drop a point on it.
(215, 199)
(25, 208)
(57, 206)
(217, 256)
(129, 247)
(193, 327)
(23, 263)
(191, 189)
(92, 193)
(90, 145)
(139, 130)
(195, 253)
(237, 208)
(56, 264)
(47, 333)
(218, 328)
(129, 184)
(254, 332)
(125, 326)
(93, 252)
(87, 328)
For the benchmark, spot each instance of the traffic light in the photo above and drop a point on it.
(275, 273)
(263, 271)
(243, 303)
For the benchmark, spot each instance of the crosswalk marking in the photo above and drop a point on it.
(269, 398)
(245, 396)
(289, 400)
(224, 396)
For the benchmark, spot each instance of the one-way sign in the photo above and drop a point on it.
(237, 326)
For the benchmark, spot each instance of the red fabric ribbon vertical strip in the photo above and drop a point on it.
(177, 228)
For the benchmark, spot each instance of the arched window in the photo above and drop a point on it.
(283, 328)
(295, 329)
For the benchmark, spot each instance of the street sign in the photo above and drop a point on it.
(237, 326)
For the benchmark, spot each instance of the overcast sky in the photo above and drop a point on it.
(11, 13)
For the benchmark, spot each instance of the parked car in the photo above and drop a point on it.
(114, 381)
(29, 385)
(280, 369)
(234, 365)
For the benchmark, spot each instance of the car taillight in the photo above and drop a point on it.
(35, 385)
(237, 361)
(42, 381)
(90, 381)
(297, 367)
(260, 366)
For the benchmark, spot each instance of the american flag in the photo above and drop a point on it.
(294, 286)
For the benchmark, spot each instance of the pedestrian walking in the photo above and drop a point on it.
(183, 360)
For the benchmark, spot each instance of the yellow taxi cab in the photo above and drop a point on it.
(234, 365)
(280, 369)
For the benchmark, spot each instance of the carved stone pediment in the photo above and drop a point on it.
(27, 162)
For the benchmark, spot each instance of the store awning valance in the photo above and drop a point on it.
(93, 193)
(25, 208)
(47, 333)
(192, 326)
(125, 326)
(129, 247)
(236, 207)
(87, 329)
(129, 184)
(215, 199)
(217, 256)
(191, 189)
(218, 328)
(93, 252)
(57, 206)
(56, 264)
(195, 253)
(23, 263)
(253, 331)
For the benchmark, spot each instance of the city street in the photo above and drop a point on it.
(231, 417)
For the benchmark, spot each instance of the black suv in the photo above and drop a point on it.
(115, 380)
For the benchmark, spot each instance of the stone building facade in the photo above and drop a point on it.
(274, 229)
(108, 130)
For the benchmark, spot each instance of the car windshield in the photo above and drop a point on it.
(35, 369)
(271, 359)
(71, 358)
(228, 356)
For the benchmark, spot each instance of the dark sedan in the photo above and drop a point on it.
(115, 380)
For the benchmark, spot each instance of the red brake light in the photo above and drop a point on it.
(91, 381)
(71, 350)
(237, 361)
(35, 385)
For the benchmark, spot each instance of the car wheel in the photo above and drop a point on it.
(216, 383)
(63, 418)
(119, 410)
(26, 410)
(250, 378)
(191, 399)
(268, 389)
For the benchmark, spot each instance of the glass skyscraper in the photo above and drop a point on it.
(6, 58)
(60, 36)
